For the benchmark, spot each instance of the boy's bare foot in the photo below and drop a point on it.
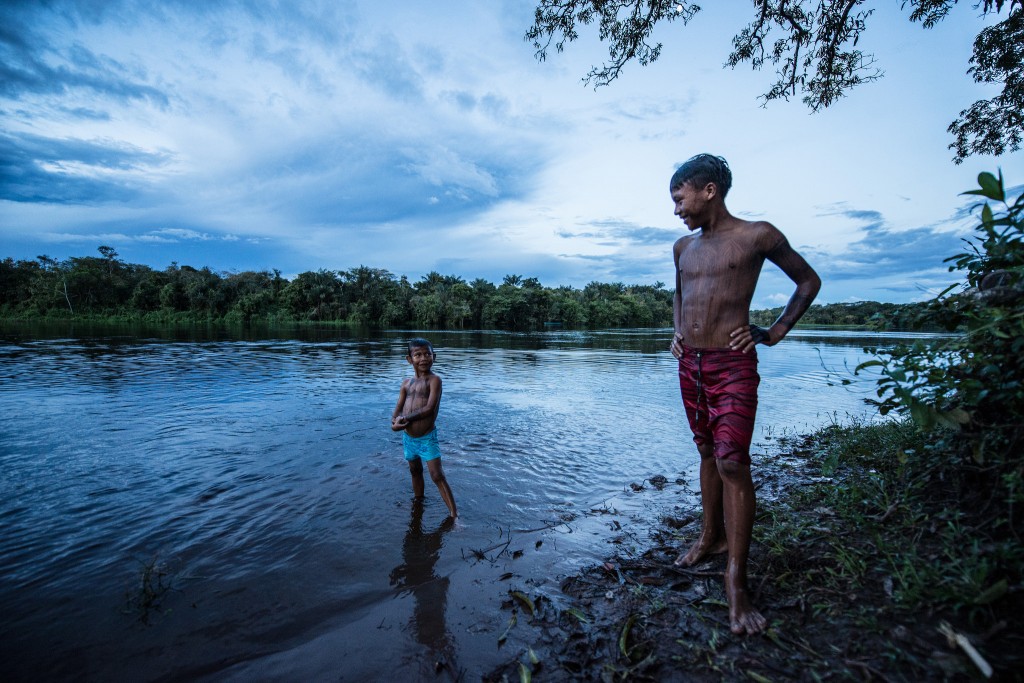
(743, 616)
(699, 550)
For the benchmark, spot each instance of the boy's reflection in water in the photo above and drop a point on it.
(420, 551)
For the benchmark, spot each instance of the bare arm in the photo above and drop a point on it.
(429, 408)
(425, 409)
(677, 304)
(807, 285)
(395, 425)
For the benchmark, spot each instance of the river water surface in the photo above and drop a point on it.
(202, 506)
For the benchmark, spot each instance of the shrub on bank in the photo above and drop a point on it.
(965, 394)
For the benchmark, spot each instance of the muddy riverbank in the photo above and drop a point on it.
(636, 616)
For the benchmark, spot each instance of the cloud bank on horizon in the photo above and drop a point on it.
(311, 134)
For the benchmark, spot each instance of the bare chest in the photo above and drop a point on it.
(715, 260)
(417, 390)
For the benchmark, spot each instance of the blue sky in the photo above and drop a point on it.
(425, 136)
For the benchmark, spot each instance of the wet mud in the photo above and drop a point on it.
(637, 617)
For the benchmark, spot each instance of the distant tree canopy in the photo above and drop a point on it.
(813, 46)
(106, 286)
(871, 314)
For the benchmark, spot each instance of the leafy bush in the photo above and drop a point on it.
(968, 389)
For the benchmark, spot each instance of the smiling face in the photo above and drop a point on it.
(691, 203)
(421, 358)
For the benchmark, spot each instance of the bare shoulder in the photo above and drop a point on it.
(682, 243)
(766, 236)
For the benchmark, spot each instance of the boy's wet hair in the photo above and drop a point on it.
(701, 170)
(419, 343)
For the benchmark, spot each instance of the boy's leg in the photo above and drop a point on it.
(697, 407)
(437, 475)
(712, 537)
(416, 470)
(740, 504)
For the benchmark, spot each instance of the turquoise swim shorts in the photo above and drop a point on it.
(421, 447)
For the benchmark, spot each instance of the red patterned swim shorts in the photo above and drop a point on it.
(719, 388)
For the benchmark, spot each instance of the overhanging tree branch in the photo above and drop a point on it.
(813, 45)
(995, 126)
(626, 25)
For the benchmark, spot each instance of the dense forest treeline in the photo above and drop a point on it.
(106, 286)
(872, 314)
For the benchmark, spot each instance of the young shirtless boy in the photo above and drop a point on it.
(716, 272)
(416, 413)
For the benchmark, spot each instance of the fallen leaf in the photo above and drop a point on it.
(624, 636)
(511, 623)
(525, 601)
(992, 593)
(580, 616)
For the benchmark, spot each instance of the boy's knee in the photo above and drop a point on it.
(416, 468)
(730, 469)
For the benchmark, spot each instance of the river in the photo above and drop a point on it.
(205, 505)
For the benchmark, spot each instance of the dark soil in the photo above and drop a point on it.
(638, 617)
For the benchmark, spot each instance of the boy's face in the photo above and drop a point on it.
(691, 203)
(421, 357)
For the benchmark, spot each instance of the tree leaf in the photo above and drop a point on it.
(868, 364)
(921, 414)
(990, 186)
(959, 416)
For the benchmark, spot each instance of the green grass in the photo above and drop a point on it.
(889, 512)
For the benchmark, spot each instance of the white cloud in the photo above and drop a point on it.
(442, 167)
(326, 135)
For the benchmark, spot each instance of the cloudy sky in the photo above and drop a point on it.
(418, 137)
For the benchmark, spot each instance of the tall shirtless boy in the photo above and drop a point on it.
(416, 412)
(717, 268)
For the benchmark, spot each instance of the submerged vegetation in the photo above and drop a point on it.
(146, 598)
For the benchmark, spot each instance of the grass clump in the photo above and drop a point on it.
(889, 533)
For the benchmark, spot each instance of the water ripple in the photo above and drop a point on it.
(251, 470)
